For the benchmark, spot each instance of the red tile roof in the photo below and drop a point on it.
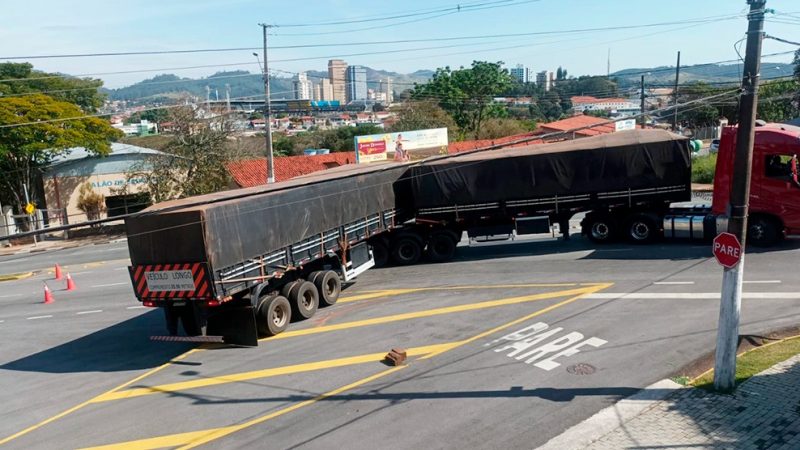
(253, 172)
(464, 146)
(604, 126)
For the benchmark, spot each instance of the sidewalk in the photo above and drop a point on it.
(49, 245)
(763, 413)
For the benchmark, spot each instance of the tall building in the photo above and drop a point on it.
(317, 92)
(302, 87)
(326, 89)
(385, 88)
(356, 81)
(544, 79)
(336, 73)
(519, 74)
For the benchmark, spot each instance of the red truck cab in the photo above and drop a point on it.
(774, 189)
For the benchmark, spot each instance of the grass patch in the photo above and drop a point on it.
(683, 380)
(754, 361)
(703, 168)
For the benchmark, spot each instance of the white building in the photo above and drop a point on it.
(303, 89)
(326, 89)
(615, 106)
(545, 79)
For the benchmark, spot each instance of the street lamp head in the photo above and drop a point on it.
(255, 54)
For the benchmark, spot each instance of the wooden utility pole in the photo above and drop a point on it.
(677, 76)
(730, 303)
(267, 110)
(644, 119)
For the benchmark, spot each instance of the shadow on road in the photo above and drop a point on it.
(123, 346)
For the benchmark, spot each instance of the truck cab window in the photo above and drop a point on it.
(778, 166)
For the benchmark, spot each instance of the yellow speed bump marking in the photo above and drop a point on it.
(436, 312)
(197, 438)
(368, 295)
(265, 373)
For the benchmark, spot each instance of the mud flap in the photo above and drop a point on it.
(236, 325)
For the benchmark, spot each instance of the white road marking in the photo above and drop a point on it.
(691, 295)
(39, 317)
(522, 341)
(136, 307)
(109, 285)
(121, 268)
(762, 282)
(1, 321)
(94, 311)
(11, 295)
(673, 282)
(81, 273)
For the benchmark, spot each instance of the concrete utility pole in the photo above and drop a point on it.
(730, 303)
(644, 119)
(677, 76)
(267, 110)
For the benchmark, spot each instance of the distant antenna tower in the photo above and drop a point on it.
(608, 64)
(228, 96)
(208, 95)
(216, 94)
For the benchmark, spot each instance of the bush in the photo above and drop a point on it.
(703, 168)
(90, 202)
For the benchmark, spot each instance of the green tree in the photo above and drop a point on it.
(199, 147)
(777, 100)
(151, 115)
(20, 79)
(29, 147)
(496, 128)
(420, 115)
(466, 94)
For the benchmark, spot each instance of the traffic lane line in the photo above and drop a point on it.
(94, 311)
(691, 295)
(110, 284)
(435, 312)
(369, 295)
(39, 317)
(762, 282)
(672, 282)
(193, 439)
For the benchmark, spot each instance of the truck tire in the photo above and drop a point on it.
(380, 252)
(406, 250)
(273, 315)
(329, 286)
(763, 231)
(600, 229)
(641, 229)
(191, 321)
(171, 316)
(441, 246)
(304, 299)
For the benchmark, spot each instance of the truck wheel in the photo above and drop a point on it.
(329, 286)
(601, 229)
(642, 229)
(171, 316)
(406, 250)
(304, 299)
(380, 252)
(441, 247)
(274, 314)
(190, 321)
(762, 231)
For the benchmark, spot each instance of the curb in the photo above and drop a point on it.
(16, 276)
(612, 417)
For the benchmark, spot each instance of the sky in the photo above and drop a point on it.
(703, 30)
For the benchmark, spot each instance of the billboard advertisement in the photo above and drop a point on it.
(402, 146)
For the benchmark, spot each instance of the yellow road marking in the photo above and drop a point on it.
(265, 373)
(393, 292)
(197, 438)
(433, 312)
(87, 402)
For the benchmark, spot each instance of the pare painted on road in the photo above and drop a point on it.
(524, 345)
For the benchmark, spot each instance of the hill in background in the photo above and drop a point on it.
(709, 73)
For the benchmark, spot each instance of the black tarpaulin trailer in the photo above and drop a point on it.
(628, 166)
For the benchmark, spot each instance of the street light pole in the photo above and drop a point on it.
(267, 110)
(731, 301)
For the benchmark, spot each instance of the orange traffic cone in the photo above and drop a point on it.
(70, 283)
(58, 272)
(48, 296)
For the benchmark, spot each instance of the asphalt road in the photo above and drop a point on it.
(509, 345)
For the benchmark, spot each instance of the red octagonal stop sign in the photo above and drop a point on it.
(727, 250)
